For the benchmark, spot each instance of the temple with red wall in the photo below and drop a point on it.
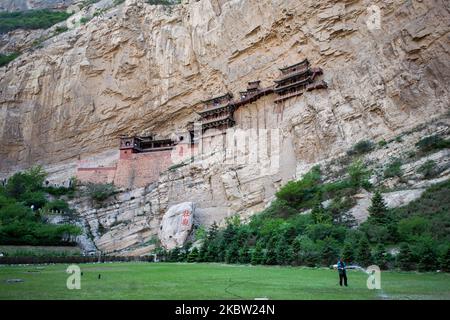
(143, 158)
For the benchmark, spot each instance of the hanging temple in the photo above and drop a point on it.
(143, 158)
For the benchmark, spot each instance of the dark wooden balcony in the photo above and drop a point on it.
(226, 121)
(145, 144)
(228, 107)
(297, 84)
(303, 72)
(290, 94)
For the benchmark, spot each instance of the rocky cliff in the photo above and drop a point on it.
(138, 68)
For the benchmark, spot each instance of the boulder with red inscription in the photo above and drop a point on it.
(176, 225)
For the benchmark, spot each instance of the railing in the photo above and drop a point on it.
(295, 84)
(216, 119)
(289, 95)
(253, 96)
(157, 149)
(214, 108)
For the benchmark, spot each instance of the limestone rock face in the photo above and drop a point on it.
(176, 225)
(125, 224)
(138, 68)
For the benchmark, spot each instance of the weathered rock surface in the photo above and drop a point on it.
(83, 240)
(126, 222)
(393, 200)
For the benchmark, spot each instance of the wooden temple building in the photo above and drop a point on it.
(297, 78)
(218, 112)
(144, 144)
(253, 93)
(143, 158)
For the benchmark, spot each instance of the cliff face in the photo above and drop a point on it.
(137, 68)
(141, 68)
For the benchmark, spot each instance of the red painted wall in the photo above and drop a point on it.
(141, 169)
(96, 175)
(133, 170)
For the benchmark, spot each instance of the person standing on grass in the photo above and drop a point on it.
(341, 266)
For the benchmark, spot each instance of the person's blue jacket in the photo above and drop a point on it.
(341, 266)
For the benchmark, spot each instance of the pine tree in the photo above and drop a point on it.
(319, 214)
(289, 255)
(270, 257)
(363, 254)
(193, 255)
(257, 255)
(202, 253)
(211, 253)
(378, 209)
(380, 256)
(174, 255)
(348, 252)
(445, 260)
(229, 234)
(296, 247)
(182, 256)
(232, 254)
(428, 260)
(405, 257)
(209, 250)
(244, 255)
(338, 212)
(328, 253)
(212, 232)
(283, 252)
(221, 249)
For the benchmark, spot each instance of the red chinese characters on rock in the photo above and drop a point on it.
(185, 218)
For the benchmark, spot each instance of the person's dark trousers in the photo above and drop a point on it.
(342, 276)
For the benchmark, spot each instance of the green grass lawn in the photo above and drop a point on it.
(213, 281)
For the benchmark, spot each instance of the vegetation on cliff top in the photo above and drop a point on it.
(32, 19)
